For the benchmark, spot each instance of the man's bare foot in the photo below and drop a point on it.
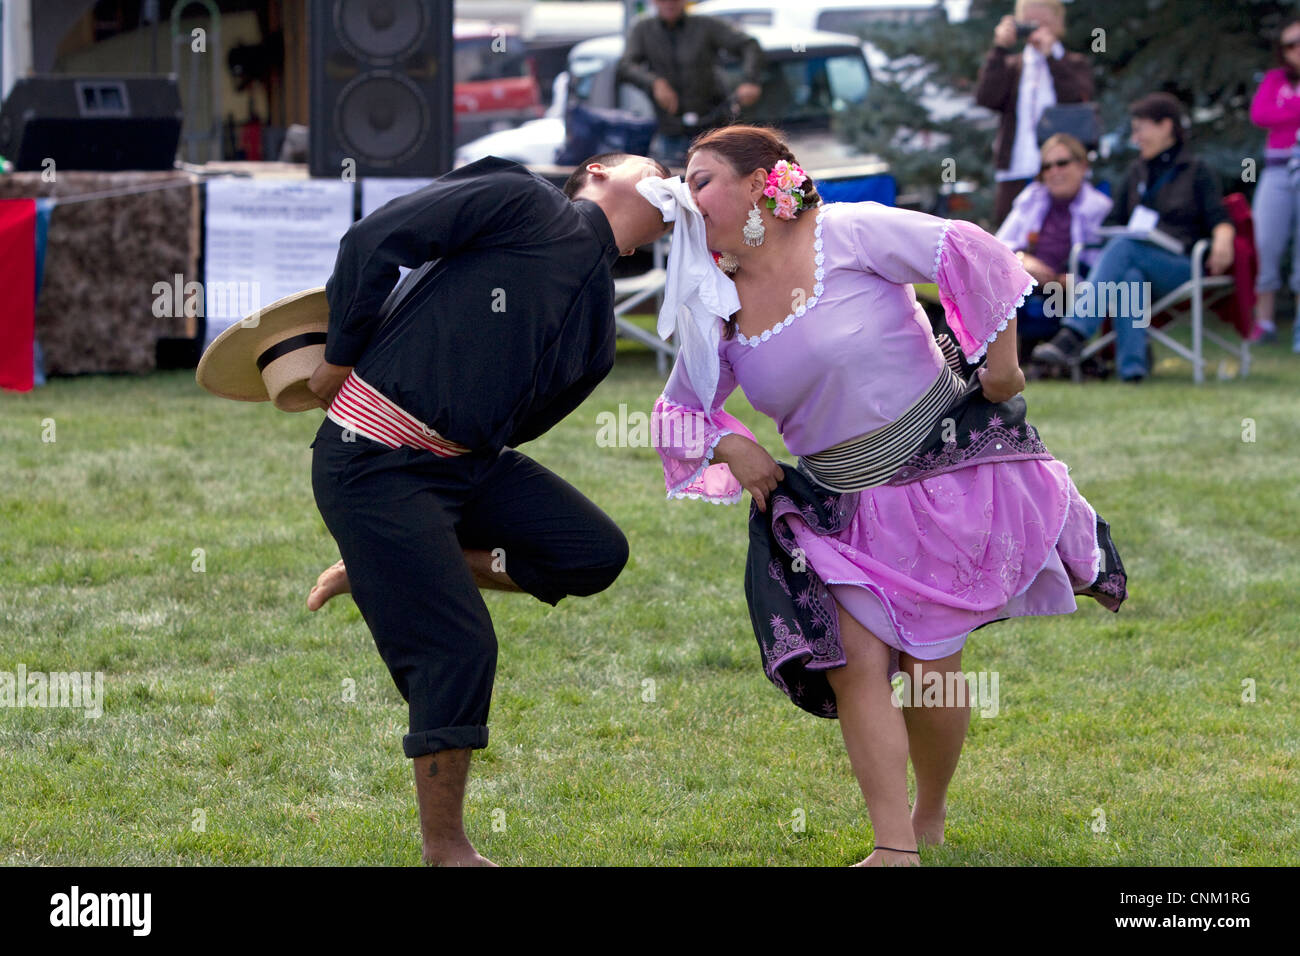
(882, 857)
(928, 827)
(333, 580)
(462, 854)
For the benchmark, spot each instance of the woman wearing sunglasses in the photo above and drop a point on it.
(1057, 210)
(1276, 208)
(1167, 190)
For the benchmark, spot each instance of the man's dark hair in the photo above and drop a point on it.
(1160, 106)
(581, 177)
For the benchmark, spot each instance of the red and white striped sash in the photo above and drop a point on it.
(363, 409)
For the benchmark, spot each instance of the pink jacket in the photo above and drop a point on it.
(1276, 108)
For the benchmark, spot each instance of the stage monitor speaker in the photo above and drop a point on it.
(381, 87)
(91, 122)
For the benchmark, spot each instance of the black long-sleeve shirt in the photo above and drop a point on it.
(1181, 188)
(507, 332)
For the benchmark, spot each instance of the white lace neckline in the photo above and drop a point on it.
(818, 288)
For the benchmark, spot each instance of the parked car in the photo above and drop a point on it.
(859, 18)
(863, 18)
(495, 79)
(551, 29)
(809, 77)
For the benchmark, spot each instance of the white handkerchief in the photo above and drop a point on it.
(697, 293)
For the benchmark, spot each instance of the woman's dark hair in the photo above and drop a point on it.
(1292, 75)
(1160, 106)
(747, 148)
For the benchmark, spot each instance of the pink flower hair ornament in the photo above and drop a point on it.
(784, 197)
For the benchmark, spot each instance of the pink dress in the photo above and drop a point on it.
(922, 563)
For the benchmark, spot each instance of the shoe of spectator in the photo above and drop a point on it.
(1063, 349)
(1134, 379)
(1263, 332)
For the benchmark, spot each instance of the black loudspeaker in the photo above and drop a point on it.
(381, 87)
(91, 122)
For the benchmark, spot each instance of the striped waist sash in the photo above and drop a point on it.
(363, 409)
(873, 458)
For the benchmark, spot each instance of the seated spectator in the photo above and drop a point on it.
(1047, 218)
(1167, 188)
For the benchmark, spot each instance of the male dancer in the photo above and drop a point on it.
(505, 327)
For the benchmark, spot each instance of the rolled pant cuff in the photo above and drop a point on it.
(531, 583)
(446, 738)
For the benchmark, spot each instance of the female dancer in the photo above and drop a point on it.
(920, 508)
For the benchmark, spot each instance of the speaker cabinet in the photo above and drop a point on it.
(381, 87)
(104, 123)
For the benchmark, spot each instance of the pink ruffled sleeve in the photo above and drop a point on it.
(686, 439)
(981, 282)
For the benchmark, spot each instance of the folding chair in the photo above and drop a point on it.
(633, 291)
(1186, 303)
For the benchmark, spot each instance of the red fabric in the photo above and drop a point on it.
(17, 292)
(1238, 309)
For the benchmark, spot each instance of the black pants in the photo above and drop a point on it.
(401, 518)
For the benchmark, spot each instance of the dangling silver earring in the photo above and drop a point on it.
(728, 263)
(754, 230)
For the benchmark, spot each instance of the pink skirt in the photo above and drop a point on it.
(921, 565)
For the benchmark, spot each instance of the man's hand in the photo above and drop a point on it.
(754, 468)
(748, 93)
(665, 96)
(326, 381)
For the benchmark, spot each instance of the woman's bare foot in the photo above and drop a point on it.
(883, 857)
(462, 854)
(333, 580)
(928, 827)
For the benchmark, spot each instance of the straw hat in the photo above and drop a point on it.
(270, 355)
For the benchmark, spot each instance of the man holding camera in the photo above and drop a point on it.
(673, 57)
(1021, 86)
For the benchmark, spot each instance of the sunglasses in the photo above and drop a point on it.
(1056, 165)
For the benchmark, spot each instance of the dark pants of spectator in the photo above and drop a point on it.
(1033, 325)
(1006, 194)
(402, 517)
(670, 150)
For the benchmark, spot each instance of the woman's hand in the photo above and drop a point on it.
(1037, 268)
(1043, 39)
(1004, 34)
(753, 467)
(1000, 375)
(1220, 259)
(1000, 385)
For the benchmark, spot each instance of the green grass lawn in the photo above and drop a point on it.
(227, 737)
